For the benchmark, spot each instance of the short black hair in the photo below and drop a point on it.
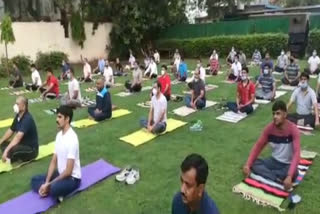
(66, 111)
(33, 66)
(279, 105)
(49, 70)
(266, 65)
(305, 74)
(245, 69)
(182, 58)
(197, 162)
(158, 84)
(165, 67)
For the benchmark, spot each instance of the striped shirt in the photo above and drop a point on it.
(292, 71)
(266, 81)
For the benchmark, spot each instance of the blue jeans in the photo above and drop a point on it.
(201, 103)
(99, 117)
(158, 128)
(58, 189)
(271, 169)
(232, 106)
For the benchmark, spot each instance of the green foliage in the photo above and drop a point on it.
(297, 3)
(202, 47)
(23, 63)
(77, 28)
(7, 35)
(314, 41)
(50, 59)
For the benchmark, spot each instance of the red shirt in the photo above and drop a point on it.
(165, 81)
(55, 89)
(246, 92)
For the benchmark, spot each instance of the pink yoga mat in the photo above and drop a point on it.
(31, 203)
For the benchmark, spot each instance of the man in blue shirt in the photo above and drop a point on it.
(100, 67)
(182, 74)
(192, 199)
(24, 145)
(65, 70)
(103, 108)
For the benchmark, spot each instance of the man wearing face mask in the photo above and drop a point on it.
(292, 73)
(157, 119)
(306, 100)
(50, 88)
(24, 145)
(36, 79)
(314, 62)
(165, 82)
(256, 57)
(235, 71)
(108, 75)
(266, 61)
(182, 73)
(282, 62)
(152, 70)
(64, 172)
(192, 197)
(266, 85)
(245, 95)
(103, 108)
(231, 56)
(73, 97)
(284, 140)
(136, 84)
(197, 100)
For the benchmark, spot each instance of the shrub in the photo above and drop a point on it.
(202, 47)
(23, 63)
(50, 59)
(314, 41)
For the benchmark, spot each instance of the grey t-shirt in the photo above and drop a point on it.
(304, 100)
(197, 87)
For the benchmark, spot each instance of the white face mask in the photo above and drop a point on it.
(265, 71)
(303, 85)
(68, 75)
(314, 54)
(154, 91)
(244, 77)
(282, 53)
(15, 109)
(163, 72)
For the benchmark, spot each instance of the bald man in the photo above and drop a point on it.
(103, 108)
(24, 143)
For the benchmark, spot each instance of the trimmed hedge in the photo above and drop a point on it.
(314, 41)
(23, 63)
(50, 59)
(202, 47)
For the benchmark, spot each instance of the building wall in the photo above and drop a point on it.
(32, 37)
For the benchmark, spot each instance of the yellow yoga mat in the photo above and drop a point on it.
(142, 136)
(44, 151)
(6, 123)
(88, 122)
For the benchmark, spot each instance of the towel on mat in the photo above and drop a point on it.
(184, 110)
(230, 116)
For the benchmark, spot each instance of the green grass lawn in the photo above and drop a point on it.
(225, 146)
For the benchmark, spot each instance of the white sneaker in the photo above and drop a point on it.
(122, 176)
(133, 176)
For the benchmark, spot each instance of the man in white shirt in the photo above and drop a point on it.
(313, 62)
(152, 70)
(108, 75)
(177, 59)
(132, 59)
(157, 120)
(156, 56)
(235, 71)
(73, 97)
(36, 79)
(87, 72)
(282, 62)
(64, 173)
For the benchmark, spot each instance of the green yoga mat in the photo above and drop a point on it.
(44, 151)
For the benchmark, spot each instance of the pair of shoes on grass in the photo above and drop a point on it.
(197, 127)
(128, 175)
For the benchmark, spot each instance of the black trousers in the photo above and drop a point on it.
(20, 152)
(16, 84)
(307, 119)
(134, 88)
(47, 96)
(32, 87)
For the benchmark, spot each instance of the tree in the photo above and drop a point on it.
(7, 36)
(297, 3)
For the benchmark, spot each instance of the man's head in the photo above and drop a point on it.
(304, 81)
(214, 52)
(266, 70)
(33, 67)
(177, 51)
(292, 60)
(85, 61)
(63, 62)
(21, 105)
(117, 60)
(152, 59)
(314, 53)
(279, 111)
(182, 59)
(282, 53)
(64, 116)
(106, 63)
(164, 69)
(236, 58)
(156, 90)
(199, 63)
(267, 57)
(100, 84)
(49, 72)
(71, 74)
(244, 73)
(232, 49)
(15, 66)
(197, 74)
(194, 173)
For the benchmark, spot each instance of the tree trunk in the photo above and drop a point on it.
(7, 59)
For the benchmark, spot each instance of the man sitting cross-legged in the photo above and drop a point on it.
(36, 79)
(284, 140)
(157, 119)
(266, 85)
(64, 172)
(291, 73)
(245, 95)
(305, 99)
(50, 88)
(197, 100)
(103, 108)
(136, 84)
(24, 145)
(73, 97)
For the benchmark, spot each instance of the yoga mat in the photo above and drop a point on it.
(313, 76)
(143, 136)
(228, 81)
(44, 151)
(278, 94)
(35, 100)
(6, 123)
(30, 202)
(144, 104)
(185, 111)
(207, 87)
(17, 93)
(126, 94)
(287, 87)
(230, 116)
(88, 122)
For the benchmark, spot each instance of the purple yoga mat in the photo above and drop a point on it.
(31, 203)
